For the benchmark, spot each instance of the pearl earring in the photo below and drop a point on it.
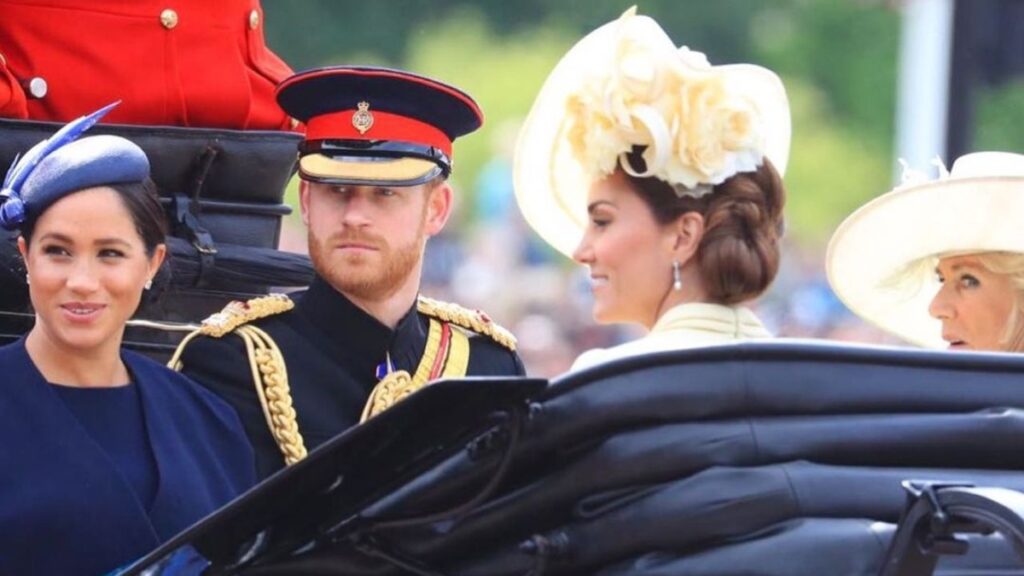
(27, 279)
(677, 279)
(148, 284)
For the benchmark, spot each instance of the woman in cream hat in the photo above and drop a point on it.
(662, 174)
(940, 263)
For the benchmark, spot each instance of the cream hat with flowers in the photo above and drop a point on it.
(627, 84)
(881, 260)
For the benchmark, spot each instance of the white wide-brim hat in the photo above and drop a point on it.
(881, 260)
(551, 184)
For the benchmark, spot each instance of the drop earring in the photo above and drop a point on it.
(677, 279)
(27, 279)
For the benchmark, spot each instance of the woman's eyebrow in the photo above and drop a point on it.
(109, 241)
(970, 265)
(60, 237)
(597, 204)
(56, 236)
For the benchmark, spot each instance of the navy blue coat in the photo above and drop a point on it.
(64, 506)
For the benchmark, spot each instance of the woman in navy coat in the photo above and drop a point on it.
(106, 453)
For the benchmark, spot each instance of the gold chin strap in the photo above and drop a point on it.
(269, 373)
(445, 356)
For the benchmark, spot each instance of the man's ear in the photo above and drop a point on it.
(687, 233)
(304, 193)
(440, 199)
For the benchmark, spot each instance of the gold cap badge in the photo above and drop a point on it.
(362, 119)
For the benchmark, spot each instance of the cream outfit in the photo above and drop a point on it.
(685, 326)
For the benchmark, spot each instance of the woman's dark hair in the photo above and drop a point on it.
(738, 256)
(142, 203)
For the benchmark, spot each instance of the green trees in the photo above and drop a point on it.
(838, 59)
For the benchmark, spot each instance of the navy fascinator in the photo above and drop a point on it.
(62, 164)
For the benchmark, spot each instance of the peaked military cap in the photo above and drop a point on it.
(376, 126)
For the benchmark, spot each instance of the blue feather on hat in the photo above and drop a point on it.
(12, 208)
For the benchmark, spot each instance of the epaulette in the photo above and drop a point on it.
(238, 313)
(473, 320)
(266, 364)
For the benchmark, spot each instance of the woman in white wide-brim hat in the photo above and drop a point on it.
(940, 263)
(662, 174)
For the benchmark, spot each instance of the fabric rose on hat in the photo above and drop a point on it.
(718, 135)
(695, 131)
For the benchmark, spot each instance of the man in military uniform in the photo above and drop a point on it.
(373, 170)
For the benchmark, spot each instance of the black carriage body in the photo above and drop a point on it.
(765, 459)
(223, 193)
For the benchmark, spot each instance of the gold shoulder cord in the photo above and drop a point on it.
(269, 373)
(458, 356)
(400, 384)
(446, 354)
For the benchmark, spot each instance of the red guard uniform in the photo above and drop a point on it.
(175, 62)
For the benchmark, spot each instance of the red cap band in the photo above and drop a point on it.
(386, 126)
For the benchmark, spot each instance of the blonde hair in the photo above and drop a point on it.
(1009, 264)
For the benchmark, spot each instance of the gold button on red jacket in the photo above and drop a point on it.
(210, 68)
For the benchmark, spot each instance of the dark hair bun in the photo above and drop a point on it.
(743, 224)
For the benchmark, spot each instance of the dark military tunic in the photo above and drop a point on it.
(332, 349)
